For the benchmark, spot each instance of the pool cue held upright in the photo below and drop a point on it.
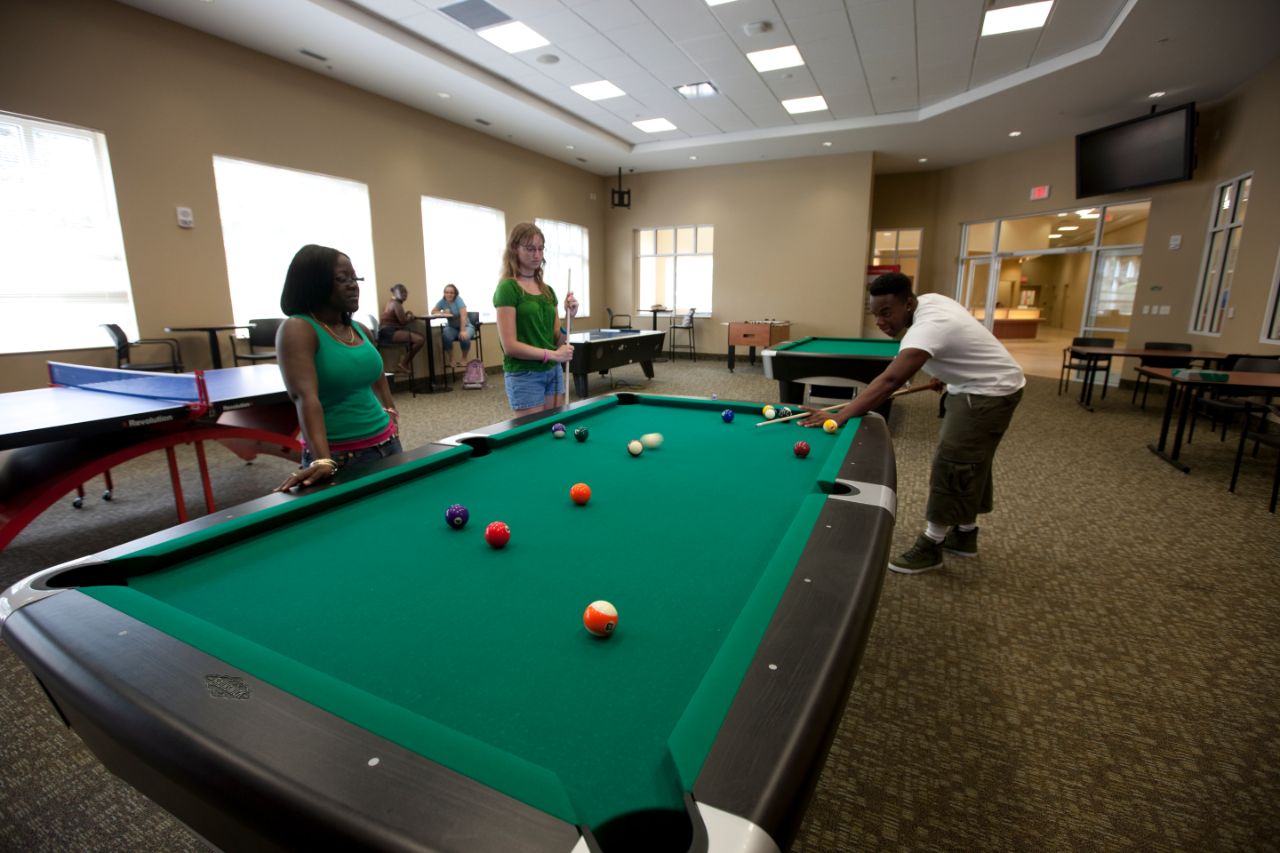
(568, 330)
(901, 392)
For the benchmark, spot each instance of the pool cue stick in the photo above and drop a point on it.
(901, 392)
(568, 330)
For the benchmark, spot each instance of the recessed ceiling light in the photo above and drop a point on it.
(1068, 227)
(569, 147)
(445, 95)
(1015, 133)
(718, 2)
(813, 104)
(693, 156)
(1061, 215)
(1157, 94)
(598, 90)
(826, 145)
(548, 59)
(654, 125)
(1011, 19)
(775, 58)
(1055, 236)
(923, 160)
(696, 90)
(513, 37)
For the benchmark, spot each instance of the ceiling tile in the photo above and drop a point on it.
(606, 15)
(999, 56)
(681, 19)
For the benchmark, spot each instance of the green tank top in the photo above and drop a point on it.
(345, 377)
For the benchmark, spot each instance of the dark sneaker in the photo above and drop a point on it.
(962, 543)
(923, 556)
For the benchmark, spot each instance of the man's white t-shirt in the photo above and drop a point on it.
(962, 352)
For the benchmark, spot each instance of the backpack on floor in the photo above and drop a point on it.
(474, 378)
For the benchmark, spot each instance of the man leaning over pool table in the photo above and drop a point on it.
(984, 384)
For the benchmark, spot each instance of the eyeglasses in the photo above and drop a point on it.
(532, 249)
(342, 278)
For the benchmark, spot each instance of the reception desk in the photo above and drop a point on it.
(1014, 323)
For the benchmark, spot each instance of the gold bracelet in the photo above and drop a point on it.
(328, 463)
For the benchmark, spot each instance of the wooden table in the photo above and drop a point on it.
(1265, 383)
(1095, 355)
(756, 333)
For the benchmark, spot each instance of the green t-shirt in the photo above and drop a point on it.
(345, 377)
(536, 323)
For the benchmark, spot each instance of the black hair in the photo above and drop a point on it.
(308, 285)
(891, 284)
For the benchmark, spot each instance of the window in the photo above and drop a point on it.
(61, 239)
(567, 262)
(1271, 332)
(269, 213)
(1231, 202)
(676, 267)
(463, 245)
(897, 247)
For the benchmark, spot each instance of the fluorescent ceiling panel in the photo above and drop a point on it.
(598, 91)
(654, 125)
(775, 58)
(513, 37)
(805, 105)
(1012, 19)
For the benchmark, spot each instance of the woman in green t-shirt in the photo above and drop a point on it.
(332, 369)
(533, 344)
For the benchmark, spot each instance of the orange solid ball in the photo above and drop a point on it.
(600, 618)
(580, 493)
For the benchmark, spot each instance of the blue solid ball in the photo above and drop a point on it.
(727, 414)
(557, 430)
(457, 516)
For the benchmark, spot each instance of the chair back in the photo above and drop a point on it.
(263, 332)
(121, 342)
(1250, 364)
(1160, 361)
(686, 322)
(373, 325)
(1093, 342)
(609, 311)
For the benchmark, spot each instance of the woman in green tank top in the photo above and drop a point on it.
(332, 369)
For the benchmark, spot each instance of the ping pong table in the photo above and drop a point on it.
(91, 419)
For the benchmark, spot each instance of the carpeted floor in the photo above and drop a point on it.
(1104, 676)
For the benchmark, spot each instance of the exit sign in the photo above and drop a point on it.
(1040, 193)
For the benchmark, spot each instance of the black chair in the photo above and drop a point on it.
(1223, 406)
(685, 325)
(406, 346)
(1259, 436)
(1158, 361)
(261, 341)
(1070, 363)
(124, 351)
(618, 321)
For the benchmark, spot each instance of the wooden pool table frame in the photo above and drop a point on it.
(248, 766)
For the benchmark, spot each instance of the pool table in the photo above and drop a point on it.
(342, 668)
(859, 359)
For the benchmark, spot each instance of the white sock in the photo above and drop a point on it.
(937, 532)
(965, 528)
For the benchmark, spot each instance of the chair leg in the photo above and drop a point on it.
(1275, 483)
(1106, 379)
(1235, 471)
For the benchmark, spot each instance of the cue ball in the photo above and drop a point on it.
(457, 516)
(651, 440)
(727, 416)
(634, 447)
(600, 618)
(829, 425)
(581, 433)
(497, 534)
(580, 493)
(769, 412)
(801, 448)
(557, 430)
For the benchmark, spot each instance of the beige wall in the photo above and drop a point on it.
(791, 240)
(1235, 137)
(168, 98)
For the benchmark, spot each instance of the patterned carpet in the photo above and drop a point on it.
(1104, 676)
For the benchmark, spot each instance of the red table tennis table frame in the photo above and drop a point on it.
(267, 429)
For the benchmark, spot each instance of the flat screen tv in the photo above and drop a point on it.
(1155, 149)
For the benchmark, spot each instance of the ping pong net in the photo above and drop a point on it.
(186, 388)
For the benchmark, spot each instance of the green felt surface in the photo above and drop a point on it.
(477, 658)
(872, 347)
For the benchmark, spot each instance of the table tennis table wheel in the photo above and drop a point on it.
(106, 496)
(78, 503)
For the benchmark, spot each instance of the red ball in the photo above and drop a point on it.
(801, 449)
(497, 534)
(580, 493)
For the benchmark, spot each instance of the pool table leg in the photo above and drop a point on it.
(647, 367)
(580, 385)
(731, 357)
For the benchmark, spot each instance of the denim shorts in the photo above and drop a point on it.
(390, 447)
(529, 389)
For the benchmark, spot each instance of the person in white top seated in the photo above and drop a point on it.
(984, 385)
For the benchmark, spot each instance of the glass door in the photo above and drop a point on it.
(1114, 284)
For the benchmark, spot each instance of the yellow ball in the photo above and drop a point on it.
(651, 440)
(769, 412)
(829, 425)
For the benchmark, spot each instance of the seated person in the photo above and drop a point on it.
(393, 326)
(460, 327)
